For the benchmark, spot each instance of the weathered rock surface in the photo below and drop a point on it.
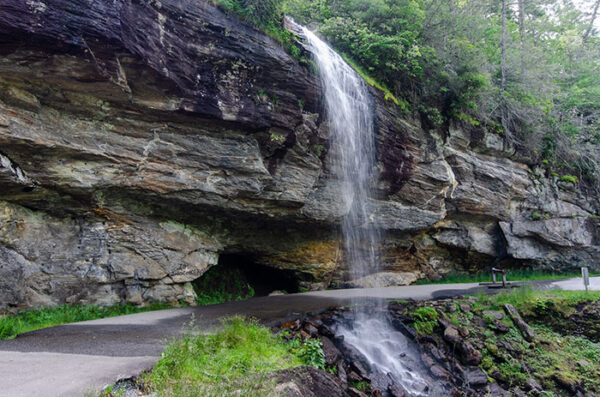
(139, 141)
(307, 382)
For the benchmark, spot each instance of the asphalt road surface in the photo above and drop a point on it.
(83, 358)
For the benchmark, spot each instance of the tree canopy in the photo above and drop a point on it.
(528, 70)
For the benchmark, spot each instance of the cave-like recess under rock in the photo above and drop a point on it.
(140, 140)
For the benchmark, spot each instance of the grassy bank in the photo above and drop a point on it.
(566, 355)
(563, 358)
(511, 275)
(528, 301)
(237, 360)
(29, 320)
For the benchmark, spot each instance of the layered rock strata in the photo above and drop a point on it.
(140, 140)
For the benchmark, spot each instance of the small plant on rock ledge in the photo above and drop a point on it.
(276, 138)
(425, 320)
(535, 216)
(318, 149)
(569, 179)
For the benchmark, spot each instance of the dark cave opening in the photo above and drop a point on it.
(239, 276)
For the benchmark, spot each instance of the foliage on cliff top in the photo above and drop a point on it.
(526, 70)
(445, 60)
(267, 15)
(12, 325)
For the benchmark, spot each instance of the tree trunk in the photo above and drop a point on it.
(503, 48)
(588, 31)
(522, 34)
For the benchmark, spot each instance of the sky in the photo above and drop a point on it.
(586, 6)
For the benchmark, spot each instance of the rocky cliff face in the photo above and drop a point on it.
(140, 140)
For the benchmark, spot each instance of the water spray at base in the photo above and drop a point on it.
(352, 159)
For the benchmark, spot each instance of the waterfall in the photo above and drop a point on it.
(353, 161)
(352, 153)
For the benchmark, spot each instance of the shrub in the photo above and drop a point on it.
(310, 351)
(232, 361)
(222, 284)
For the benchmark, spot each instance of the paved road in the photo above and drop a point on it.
(82, 358)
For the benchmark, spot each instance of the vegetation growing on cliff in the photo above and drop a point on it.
(562, 358)
(527, 69)
(222, 284)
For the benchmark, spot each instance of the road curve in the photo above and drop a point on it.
(80, 358)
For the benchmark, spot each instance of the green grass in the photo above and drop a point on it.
(511, 275)
(233, 361)
(573, 359)
(558, 356)
(29, 320)
(528, 301)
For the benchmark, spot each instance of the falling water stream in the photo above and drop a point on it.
(353, 161)
(352, 152)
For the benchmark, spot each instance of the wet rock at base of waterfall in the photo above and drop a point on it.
(406, 330)
(439, 372)
(342, 373)
(397, 391)
(354, 377)
(360, 370)
(326, 331)
(311, 329)
(307, 382)
(383, 279)
(437, 353)
(332, 353)
(475, 377)
(427, 359)
(496, 391)
(351, 353)
(356, 393)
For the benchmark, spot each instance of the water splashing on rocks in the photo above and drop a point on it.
(353, 161)
(352, 153)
